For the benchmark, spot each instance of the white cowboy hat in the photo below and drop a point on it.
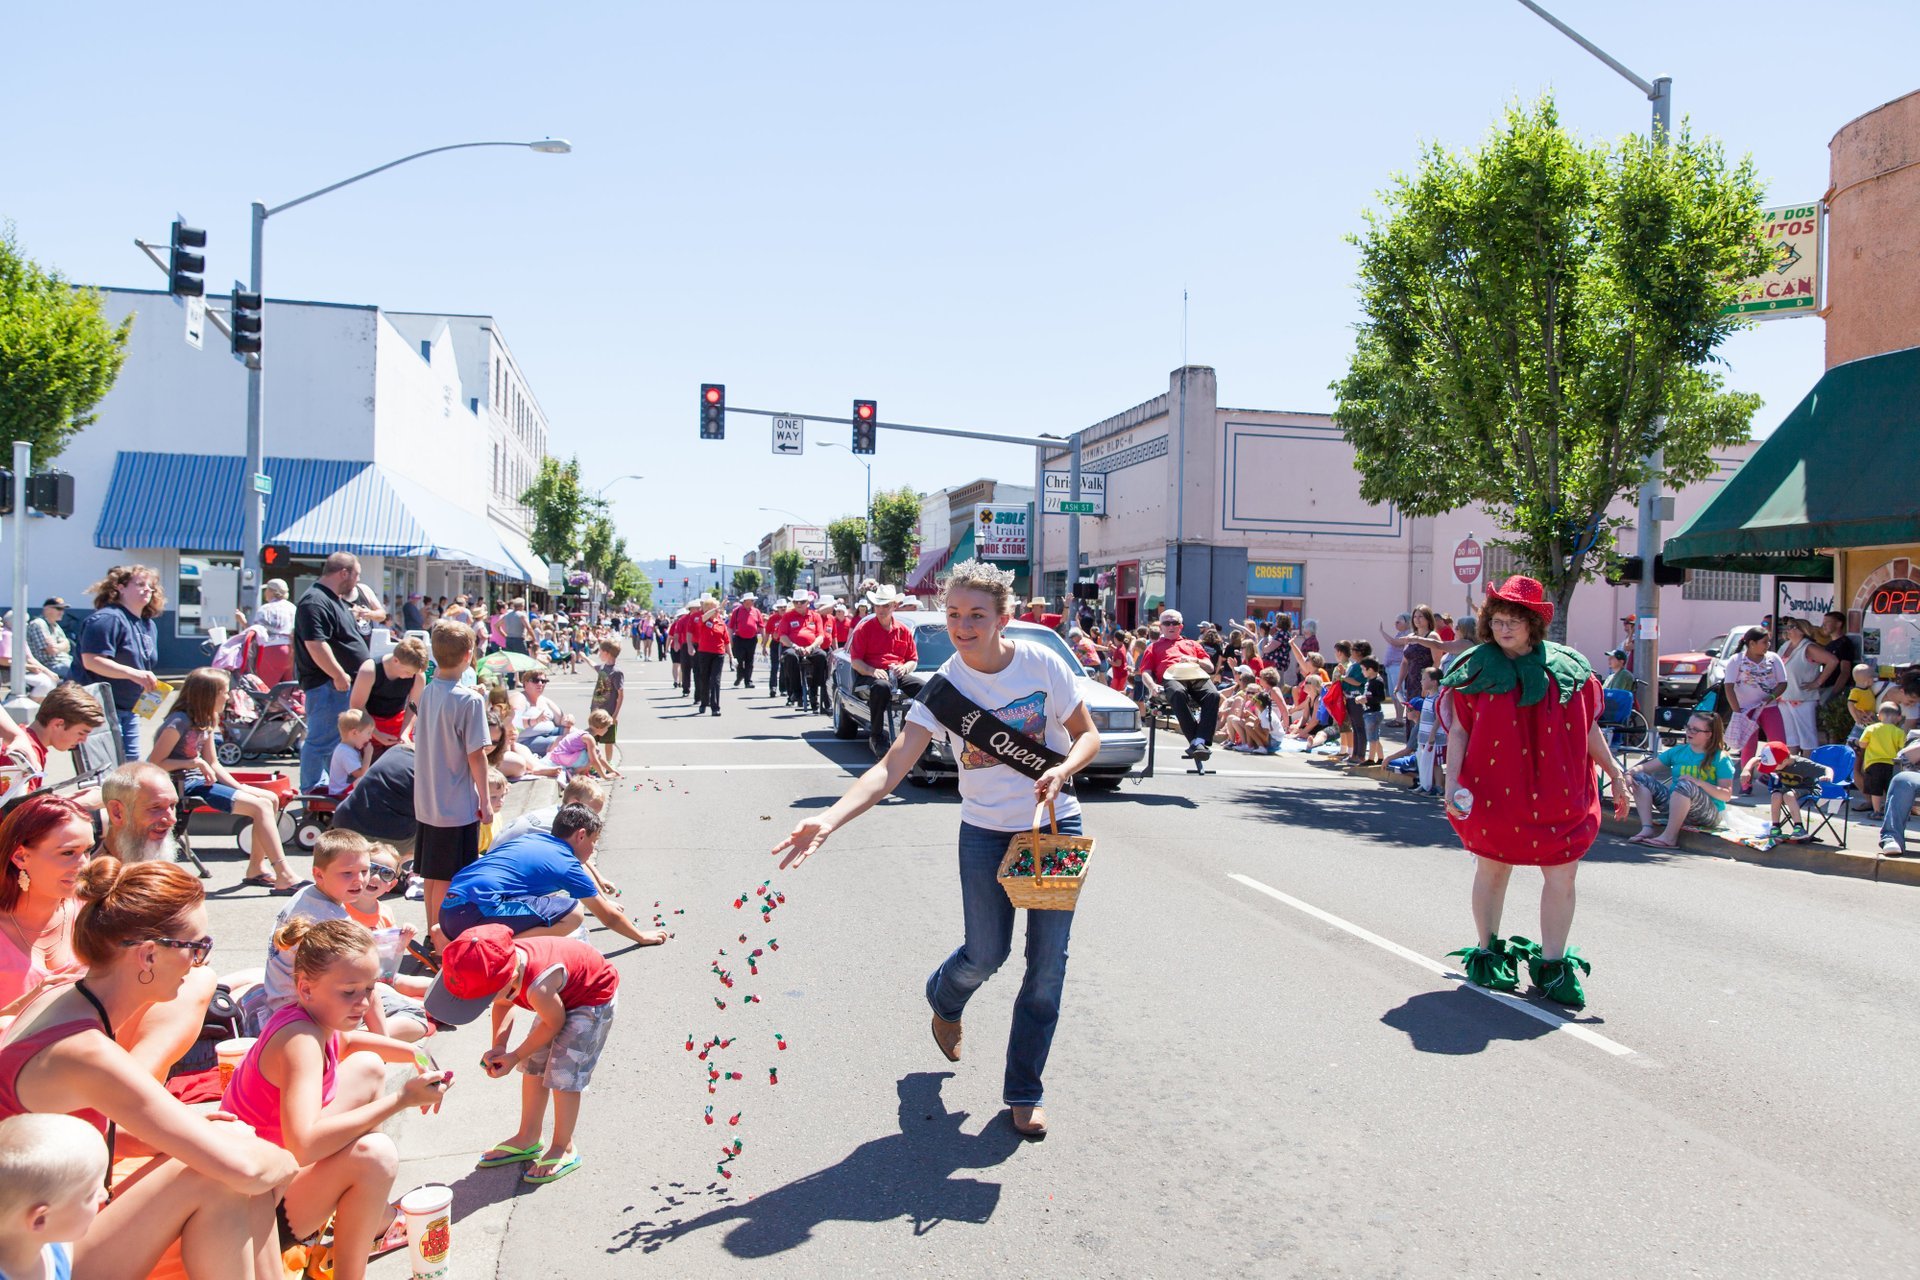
(886, 594)
(746, 596)
(1185, 671)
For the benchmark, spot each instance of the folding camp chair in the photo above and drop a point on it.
(1835, 795)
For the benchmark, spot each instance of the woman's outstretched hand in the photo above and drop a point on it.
(800, 843)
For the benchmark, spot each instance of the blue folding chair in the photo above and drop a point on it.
(1834, 796)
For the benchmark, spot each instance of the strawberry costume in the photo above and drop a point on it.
(1523, 745)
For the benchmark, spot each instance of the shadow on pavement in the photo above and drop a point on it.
(1395, 816)
(1457, 1021)
(904, 1175)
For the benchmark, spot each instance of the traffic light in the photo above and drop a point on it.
(866, 417)
(713, 411)
(274, 557)
(244, 319)
(673, 562)
(184, 269)
(661, 583)
(1664, 575)
(50, 493)
(713, 564)
(684, 582)
(6, 491)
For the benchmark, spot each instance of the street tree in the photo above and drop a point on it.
(58, 354)
(845, 537)
(630, 586)
(787, 566)
(745, 580)
(1540, 315)
(896, 517)
(561, 506)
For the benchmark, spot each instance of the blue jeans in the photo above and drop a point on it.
(1901, 793)
(324, 706)
(539, 740)
(129, 736)
(989, 924)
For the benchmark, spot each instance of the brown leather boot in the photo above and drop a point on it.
(946, 1035)
(1030, 1122)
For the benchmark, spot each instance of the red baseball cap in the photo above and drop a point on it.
(474, 968)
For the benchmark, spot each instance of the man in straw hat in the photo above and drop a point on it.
(885, 662)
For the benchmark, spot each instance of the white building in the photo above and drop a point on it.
(406, 438)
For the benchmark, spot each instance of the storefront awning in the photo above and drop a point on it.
(924, 580)
(1840, 471)
(532, 568)
(318, 506)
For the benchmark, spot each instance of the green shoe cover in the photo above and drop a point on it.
(1559, 980)
(1523, 949)
(1490, 966)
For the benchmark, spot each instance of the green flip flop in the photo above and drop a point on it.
(502, 1156)
(555, 1169)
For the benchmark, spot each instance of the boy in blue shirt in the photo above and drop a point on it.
(537, 885)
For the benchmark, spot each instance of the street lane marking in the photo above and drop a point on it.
(1527, 1007)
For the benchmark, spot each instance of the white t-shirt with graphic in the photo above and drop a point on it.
(1034, 694)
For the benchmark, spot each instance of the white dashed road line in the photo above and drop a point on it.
(1527, 1007)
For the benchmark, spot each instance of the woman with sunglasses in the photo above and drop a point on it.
(119, 643)
(1522, 749)
(44, 843)
(388, 689)
(537, 722)
(141, 931)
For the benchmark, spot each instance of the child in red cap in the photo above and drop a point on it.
(571, 990)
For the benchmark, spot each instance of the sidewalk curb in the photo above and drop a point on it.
(1815, 858)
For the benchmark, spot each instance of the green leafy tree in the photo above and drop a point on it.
(787, 567)
(629, 586)
(1540, 315)
(561, 507)
(896, 518)
(745, 580)
(58, 355)
(845, 537)
(601, 550)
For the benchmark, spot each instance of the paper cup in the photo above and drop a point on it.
(230, 1053)
(428, 1211)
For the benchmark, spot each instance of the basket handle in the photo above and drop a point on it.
(1053, 820)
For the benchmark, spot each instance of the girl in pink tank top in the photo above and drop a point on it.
(312, 1084)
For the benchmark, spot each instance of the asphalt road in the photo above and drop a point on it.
(1258, 1069)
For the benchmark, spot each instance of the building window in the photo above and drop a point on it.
(1712, 584)
(426, 350)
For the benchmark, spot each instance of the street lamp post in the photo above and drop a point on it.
(256, 506)
(868, 514)
(1646, 594)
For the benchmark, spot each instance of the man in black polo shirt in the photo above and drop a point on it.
(380, 806)
(327, 649)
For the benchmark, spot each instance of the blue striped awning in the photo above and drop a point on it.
(318, 506)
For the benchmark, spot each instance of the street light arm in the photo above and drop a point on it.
(1595, 50)
(431, 151)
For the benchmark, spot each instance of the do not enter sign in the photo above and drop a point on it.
(1466, 561)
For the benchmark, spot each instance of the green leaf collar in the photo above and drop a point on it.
(1485, 668)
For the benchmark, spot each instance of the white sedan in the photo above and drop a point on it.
(1123, 744)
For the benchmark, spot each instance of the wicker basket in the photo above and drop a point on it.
(1037, 891)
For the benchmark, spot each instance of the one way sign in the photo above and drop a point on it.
(789, 435)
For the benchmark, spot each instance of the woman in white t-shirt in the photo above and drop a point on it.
(1032, 690)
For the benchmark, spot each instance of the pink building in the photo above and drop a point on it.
(1231, 513)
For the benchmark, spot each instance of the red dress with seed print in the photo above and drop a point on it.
(1536, 801)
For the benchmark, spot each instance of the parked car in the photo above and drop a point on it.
(1686, 677)
(1123, 743)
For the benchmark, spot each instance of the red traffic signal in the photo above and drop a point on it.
(713, 411)
(865, 425)
(274, 556)
(661, 582)
(863, 410)
(713, 564)
(673, 562)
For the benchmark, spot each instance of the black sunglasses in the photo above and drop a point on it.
(379, 871)
(197, 951)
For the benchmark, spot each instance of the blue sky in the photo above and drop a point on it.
(979, 216)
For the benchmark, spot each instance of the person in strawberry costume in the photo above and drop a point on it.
(1522, 743)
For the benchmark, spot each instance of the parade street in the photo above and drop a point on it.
(1263, 1064)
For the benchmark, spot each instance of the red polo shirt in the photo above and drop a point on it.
(1051, 621)
(880, 646)
(842, 627)
(804, 629)
(1166, 651)
(746, 621)
(710, 633)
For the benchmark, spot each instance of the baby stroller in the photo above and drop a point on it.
(260, 722)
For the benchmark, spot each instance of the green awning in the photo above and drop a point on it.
(1841, 471)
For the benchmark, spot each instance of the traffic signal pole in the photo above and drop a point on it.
(253, 529)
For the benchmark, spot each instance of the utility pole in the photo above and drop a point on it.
(1073, 528)
(22, 466)
(1646, 595)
